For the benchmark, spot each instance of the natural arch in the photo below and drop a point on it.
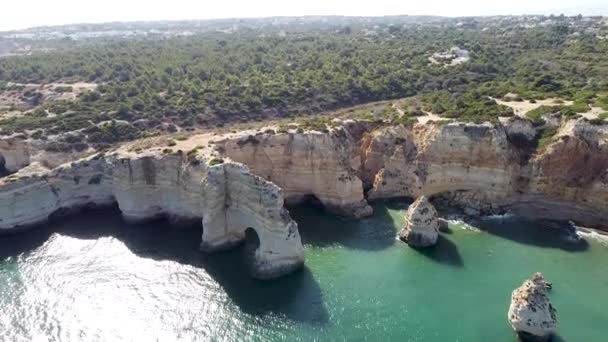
(252, 239)
(251, 247)
(3, 170)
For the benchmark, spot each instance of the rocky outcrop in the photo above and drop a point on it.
(531, 314)
(421, 224)
(433, 159)
(478, 167)
(568, 179)
(306, 164)
(14, 155)
(481, 168)
(226, 197)
(494, 168)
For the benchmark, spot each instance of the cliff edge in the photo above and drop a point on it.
(227, 197)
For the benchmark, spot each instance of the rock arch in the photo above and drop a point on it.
(3, 170)
(227, 197)
(250, 248)
(14, 154)
(252, 238)
(236, 200)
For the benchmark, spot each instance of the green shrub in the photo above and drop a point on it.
(537, 114)
(215, 161)
(546, 137)
(64, 89)
(602, 102)
(579, 107)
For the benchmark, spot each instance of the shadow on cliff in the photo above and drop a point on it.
(444, 252)
(320, 229)
(544, 234)
(296, 296)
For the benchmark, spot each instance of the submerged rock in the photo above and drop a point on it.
(531, 314)
(421, 224)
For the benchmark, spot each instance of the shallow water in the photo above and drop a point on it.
(92, 277)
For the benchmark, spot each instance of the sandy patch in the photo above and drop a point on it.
(521, 108)
(20, 96)
(593, 113)
(428, 117)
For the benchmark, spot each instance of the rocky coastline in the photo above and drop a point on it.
(226, 197)
(242, 180)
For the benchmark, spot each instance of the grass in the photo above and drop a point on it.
(536, 114)
(216, 161)
(546, 137)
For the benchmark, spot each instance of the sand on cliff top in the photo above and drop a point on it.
(520, 108)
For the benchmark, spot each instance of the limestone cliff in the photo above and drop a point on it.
(479, 167)
(227, 197)
(306, 164)
(14, 155)
(432, 159)
(494, 167)
(504, 166)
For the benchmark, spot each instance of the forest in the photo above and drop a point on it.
(216, 77)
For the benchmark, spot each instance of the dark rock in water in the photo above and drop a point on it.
(443, 225)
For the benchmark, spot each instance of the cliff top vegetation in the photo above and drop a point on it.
(253, 70)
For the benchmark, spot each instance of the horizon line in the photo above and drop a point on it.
(103, 22)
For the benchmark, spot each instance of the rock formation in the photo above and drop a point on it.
(14, 155)
(494, 168)
(433, 159)
(421, 224)
(478, 167)
(531, 314)
(227, 197)
(482, 168)
(306, 164)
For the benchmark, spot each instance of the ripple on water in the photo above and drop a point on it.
(94, 278)
(80, 289)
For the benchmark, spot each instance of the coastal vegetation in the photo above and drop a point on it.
(145, 85)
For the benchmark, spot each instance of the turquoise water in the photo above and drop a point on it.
(92, 277)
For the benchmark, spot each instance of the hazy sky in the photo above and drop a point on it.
(16, 14)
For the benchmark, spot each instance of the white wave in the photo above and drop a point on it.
(463, 225)
(591, 234)
(504, 216)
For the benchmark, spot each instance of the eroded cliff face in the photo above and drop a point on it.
(303, 164)
(475, 166)
(569, 179)
(14, 155)
(480, 167)
(432, 159)
(227, 197)
(494, 167)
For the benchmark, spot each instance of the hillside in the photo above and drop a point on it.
(78, 87)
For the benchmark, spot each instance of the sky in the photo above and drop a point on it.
(19, 14)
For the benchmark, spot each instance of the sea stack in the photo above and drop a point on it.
(421, 224)
(531, 314)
